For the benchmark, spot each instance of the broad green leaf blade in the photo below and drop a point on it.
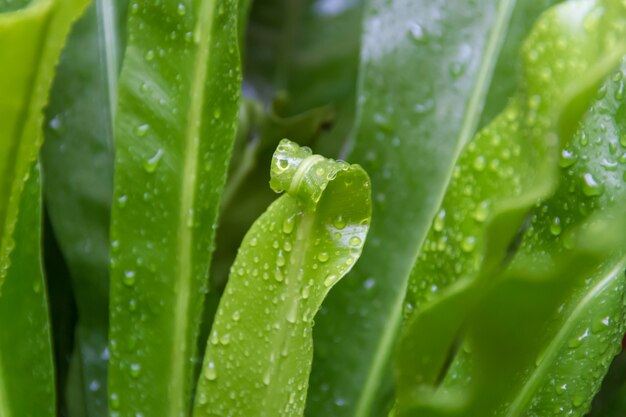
(506, 321)
(425, 69)
(31, 39)
(596, 309)
(579, 24)
(259, 353)
(26, 366)
(77, 159)
(177, 115)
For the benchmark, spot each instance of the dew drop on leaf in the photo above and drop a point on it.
(129, 278)
(142, 129)
(210, 373)
(591, 187)
(330, 280)
(151, 164)
(339, 222)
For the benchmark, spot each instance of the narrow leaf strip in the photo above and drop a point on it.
(259, 352)
(31, 39)
(177, 115)
(77, 159)
(26, 366)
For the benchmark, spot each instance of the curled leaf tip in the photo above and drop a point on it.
(302, 174)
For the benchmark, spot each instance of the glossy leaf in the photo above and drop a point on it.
(77, 158)
(425, 69)
(464, 248)
(26, 366)
(31, 38)
(504, 321)
(260, 350)
(176, 120)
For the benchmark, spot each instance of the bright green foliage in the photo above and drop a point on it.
(420, 99)
(77, 157)
(491, 282)
(31, 38)
(472, 234)
(26, 368)
(260, 348)
(175, 124)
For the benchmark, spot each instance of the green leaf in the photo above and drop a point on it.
(259, 353)
(26, 366)
(505, 321)
(77, 159)
(175, 125)
(425, 70)
(474, 247)
(306, 54)
(302, 64)
(31, 38)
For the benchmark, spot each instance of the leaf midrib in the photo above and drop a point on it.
(531, 385)
(180, 345)
(468, 126)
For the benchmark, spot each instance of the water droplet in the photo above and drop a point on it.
(141, 130)
(280, 259)
(439, 221)
(278, 275)
(55, 122)
(456, 69)
(355, 241)
(555, 226)
(306, 292)
(190, 217)
(266, 377)
(567, 158)
(608, 165)
(330, 280)
(253, 241)
(114, 401)
(578, 400)
(225, 339)
(481, 212)
(468, 244)
(121, 201)
(236, 315)
(340, 222)
(210, 372)
(288, 225)
(135, 370)
(150, 165)
(181, 10)
(590, 186)
(601, 324)
(416, 33)
(479, 163)
(149, 55)
(129, 278)
(577, 341)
